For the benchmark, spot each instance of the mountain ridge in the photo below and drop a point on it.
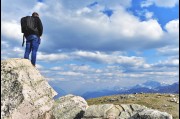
(155, 87)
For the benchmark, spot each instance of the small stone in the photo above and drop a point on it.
(171, 95)
(165, 105)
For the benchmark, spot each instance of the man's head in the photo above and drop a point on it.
(35, 14)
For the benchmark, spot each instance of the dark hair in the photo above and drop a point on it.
(35, 14)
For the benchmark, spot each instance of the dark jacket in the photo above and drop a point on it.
(38, 25)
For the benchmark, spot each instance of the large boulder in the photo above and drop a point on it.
(69, 107)
(25, 94)
(123, 111)
(153, 114)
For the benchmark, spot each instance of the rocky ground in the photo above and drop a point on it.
(162, 102)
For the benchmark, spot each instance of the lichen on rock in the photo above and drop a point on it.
(25, 94)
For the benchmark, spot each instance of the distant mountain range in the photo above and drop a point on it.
(147, 87)
(174, 88)
(150, 85)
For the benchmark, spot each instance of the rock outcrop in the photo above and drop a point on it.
(69, 107)
(123, 111)
(25, 94)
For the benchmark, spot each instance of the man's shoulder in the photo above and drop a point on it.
(36, 17)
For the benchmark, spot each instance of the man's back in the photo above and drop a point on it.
(38, 25)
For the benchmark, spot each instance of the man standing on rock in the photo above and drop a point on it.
(32, 28)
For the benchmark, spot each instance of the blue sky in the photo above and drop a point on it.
(91, 45)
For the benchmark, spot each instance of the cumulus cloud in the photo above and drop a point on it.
(86, 28)
(173, 26)
(11, 30)
(172, 34)
(80, 30)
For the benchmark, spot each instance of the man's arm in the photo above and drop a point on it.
(40, 27)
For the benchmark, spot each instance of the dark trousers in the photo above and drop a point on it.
(32, 44)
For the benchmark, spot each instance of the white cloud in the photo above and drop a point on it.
(80, 68)
(10, 50)
(39, 66)
(69, 30)
(146, 3)
(57, 68)
(144, 13)
(166, 3)
(175, 62)
(95, 57)
(167, 50)
(160, 3)
(169, 74)
(18, 50)
(5, 44)
(77, 29)
(150, 27)
(171, 62)
(173, 26)
(39, 7)
(71, 73)
(149, 15)
(83, 10)
(135, 75)
(172, 34)
(110, 59)
(126, 62)
(12, 30)
(51, 57)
